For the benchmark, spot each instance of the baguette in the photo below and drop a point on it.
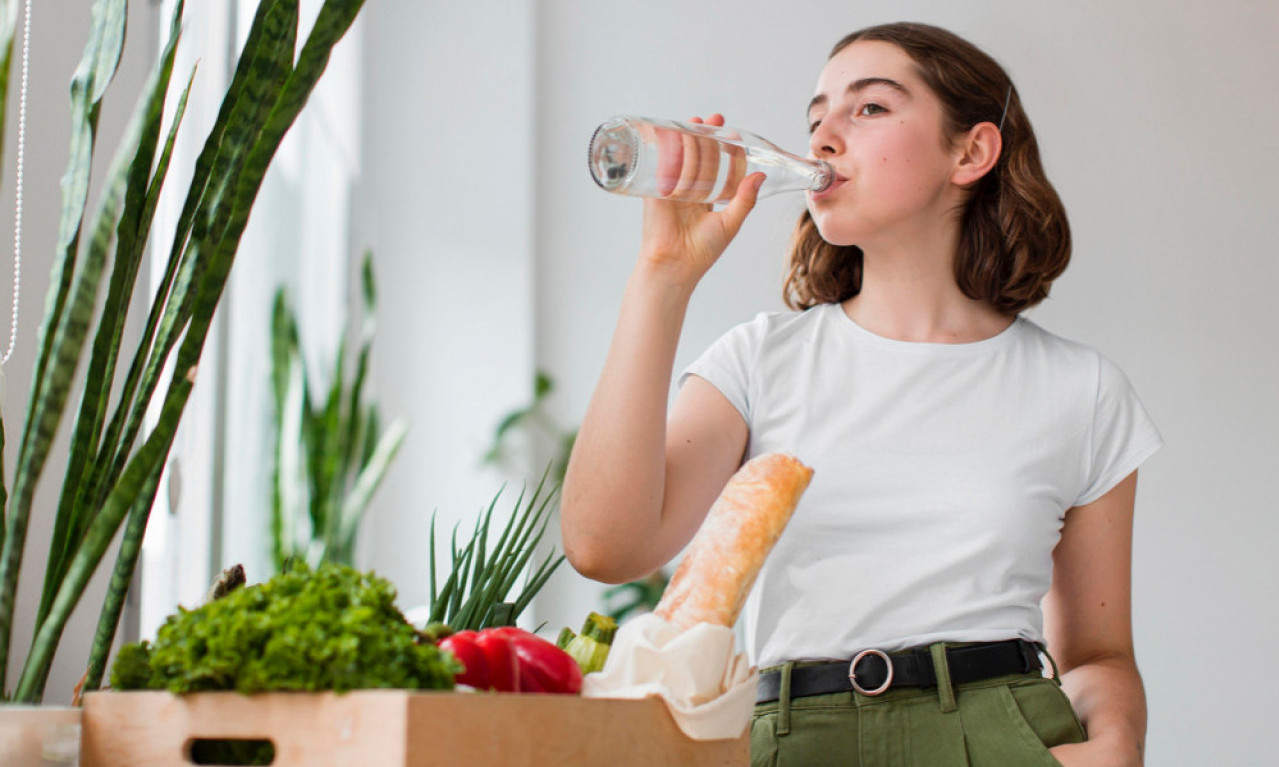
(721, 563)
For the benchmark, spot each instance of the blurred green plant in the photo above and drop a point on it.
(330, 455)
(109, 477)
(536, 423)
(641, 596)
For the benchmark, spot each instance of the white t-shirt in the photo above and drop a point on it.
(942, 474)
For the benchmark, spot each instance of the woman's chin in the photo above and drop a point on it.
(836, 236)
(829, 225)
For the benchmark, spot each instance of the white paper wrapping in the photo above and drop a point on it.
(709, 689)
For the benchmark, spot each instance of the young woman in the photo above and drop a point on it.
(972, 502)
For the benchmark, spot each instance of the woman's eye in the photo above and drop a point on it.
(872, 109)
(812, 127)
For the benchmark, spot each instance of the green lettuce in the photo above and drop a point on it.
(333, 628)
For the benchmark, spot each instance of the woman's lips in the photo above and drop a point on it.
(834, 184)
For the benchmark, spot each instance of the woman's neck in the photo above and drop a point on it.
(910, 294)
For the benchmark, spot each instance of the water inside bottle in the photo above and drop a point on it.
(654, 161)
(648, 158)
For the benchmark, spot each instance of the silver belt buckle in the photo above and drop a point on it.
(852, 672)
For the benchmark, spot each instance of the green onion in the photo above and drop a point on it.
(479, 581)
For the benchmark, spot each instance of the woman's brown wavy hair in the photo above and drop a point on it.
(1014, 238)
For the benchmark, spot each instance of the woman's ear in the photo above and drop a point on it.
(977, 151)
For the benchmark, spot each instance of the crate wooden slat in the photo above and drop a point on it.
(397, 728)
(24, 731)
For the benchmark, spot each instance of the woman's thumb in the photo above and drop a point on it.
(743, 201)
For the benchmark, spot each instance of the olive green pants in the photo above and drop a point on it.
(1006, 721)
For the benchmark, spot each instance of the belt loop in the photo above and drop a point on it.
(783, 699)
(945, 690)
(1043, 648)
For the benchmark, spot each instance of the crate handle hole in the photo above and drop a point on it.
(238, 751)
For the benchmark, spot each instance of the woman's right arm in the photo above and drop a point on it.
(637, 487)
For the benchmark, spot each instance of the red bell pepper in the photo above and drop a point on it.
(543, 666)
(509, 659)
(490, 662)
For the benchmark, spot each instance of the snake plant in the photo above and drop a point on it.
(113, 468)
(330, 457)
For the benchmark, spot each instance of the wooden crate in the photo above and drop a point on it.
(397, 728)
(30, 733)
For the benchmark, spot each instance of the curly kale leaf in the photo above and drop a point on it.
(132, 669)
(329, 629)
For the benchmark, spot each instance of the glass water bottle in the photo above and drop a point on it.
(692, 162)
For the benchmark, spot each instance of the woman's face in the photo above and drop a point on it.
(876, 122)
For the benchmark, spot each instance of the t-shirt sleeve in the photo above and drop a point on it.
(727, 364)
(1123, 434)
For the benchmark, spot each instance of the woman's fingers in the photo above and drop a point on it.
(736, 172)
(670, 160)
(688, 165)
(742, 203)
(700, 167)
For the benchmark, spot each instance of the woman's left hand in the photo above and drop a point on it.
(1095, 753)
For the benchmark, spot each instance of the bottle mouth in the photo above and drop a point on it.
(825, 177)
(613, 155)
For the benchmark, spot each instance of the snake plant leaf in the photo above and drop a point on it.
(121, 576)
(270, 64)
(69, 341)
(96, 70)
(371, 430)
(326, 453)
(368, 481)
(283, 349)
(8, 23)
(355, 452)
(150, 458)
(4, 499)
(129, 183)
(171, 311)
(55, 363)
(108, 445)
(284, 345)
(361, 435)
(294, 489)
(334, 19)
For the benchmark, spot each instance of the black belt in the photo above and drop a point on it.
(872, 672)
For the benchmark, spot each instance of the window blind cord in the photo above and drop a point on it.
(17, 215)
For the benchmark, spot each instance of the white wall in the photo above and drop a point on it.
(1157, 126)
(447, 207)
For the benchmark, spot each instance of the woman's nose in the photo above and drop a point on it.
(824, 142)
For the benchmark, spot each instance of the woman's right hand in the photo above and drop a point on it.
(683, 236)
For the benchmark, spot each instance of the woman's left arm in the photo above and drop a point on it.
(1088, 622)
